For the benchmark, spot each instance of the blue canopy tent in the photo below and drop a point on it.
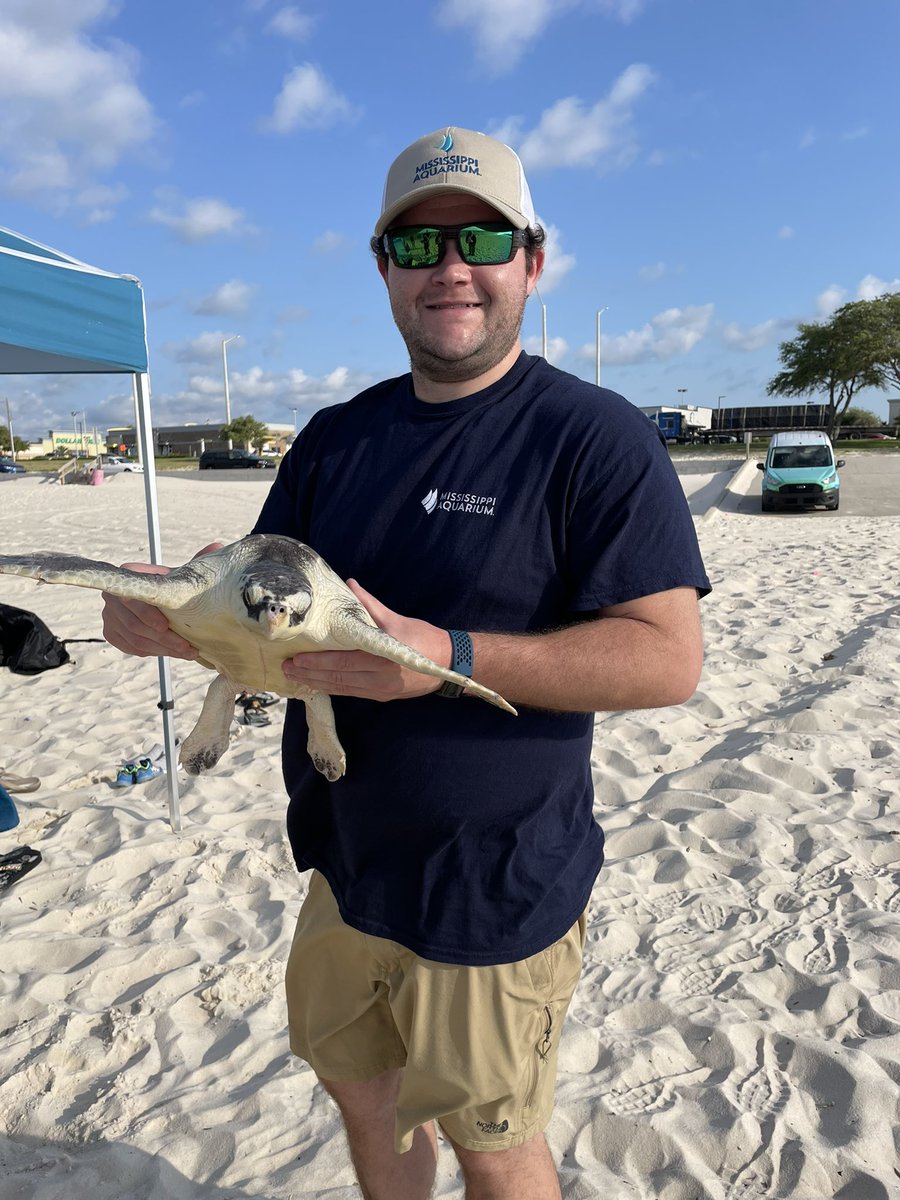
(61, 316)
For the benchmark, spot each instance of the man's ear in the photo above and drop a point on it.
(383, 267)
(535, 270)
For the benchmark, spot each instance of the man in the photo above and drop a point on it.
(513, 521)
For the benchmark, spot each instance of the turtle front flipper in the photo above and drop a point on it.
(208, 740)
(171, 589)
(353, 631)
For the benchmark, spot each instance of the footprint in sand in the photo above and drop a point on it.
(765, 1090)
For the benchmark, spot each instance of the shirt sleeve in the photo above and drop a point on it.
(630, 532)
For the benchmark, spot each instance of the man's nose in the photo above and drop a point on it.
(451, 265)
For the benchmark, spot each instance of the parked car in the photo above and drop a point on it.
(226, 459)
(114, 464)
(8, 467)
(800, 471)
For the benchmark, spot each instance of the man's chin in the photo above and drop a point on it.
(458, 367)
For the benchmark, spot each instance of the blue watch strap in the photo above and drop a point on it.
(461, 661)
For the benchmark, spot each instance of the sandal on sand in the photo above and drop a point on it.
(260, 698)
(16, 864)
(18, 783)
(255, 714)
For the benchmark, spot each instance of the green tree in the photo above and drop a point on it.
(838, 357)
(21, 444)
(861, 416)
(888, 308)
(246, 431)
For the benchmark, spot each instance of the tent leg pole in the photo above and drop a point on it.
(144, 432)
(165, 689)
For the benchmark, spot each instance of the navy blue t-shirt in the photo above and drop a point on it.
(460, 831)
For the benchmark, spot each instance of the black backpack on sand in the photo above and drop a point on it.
(26, 644)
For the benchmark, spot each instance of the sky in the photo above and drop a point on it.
(709, 173)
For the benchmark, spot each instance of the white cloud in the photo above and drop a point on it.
(231, 297)
(557, 347)
(270, 396)
(670, 333)
(854, 135)
(826, 302)
(307, 100)
(654, 272)
(504, 29)
(98, 202)
(329, 242)
(871, 287)
(197, 219)
(808, 138)
(70, 111)
(753, 337)
(623, 10)
(557, 263)
(786, 231)
(291, 23)
(206, 348)
(571, 134)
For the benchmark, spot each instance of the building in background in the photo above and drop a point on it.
(770, 417)
(189, 441)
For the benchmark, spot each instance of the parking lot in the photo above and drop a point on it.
(870, 487)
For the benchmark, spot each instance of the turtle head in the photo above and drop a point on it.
(276, 606)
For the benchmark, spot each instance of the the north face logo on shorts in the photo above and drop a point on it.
(492, 1126)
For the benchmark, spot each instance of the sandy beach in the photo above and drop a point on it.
(736, 1033)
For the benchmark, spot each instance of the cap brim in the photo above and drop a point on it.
(517, 219)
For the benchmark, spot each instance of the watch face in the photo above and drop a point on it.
(450, 689)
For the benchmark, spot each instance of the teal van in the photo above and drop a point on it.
(800, 471)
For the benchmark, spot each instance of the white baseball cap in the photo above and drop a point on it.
(453, 160)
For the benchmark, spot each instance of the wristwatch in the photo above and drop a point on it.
(461, 662)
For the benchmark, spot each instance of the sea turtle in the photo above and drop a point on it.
(247, 607)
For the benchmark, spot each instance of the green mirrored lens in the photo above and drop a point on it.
(485, 247)
(481, 245)
(417, 246)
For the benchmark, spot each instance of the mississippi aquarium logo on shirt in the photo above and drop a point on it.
(466, 502)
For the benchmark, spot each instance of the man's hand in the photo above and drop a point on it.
(141, 629)
(358, 673)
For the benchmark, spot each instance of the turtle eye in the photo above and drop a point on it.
(299, 606)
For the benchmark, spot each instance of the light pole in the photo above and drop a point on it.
(719, 412)
(600, 313)
(225, 342)
(682, 391)
(294, 411)
(543, 323)
(73, 413)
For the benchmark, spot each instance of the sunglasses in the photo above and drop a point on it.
(486, 244)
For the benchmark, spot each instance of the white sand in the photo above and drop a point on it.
(735, 1035)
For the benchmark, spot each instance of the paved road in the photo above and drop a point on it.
(870, 487)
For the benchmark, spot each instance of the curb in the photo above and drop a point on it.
(736, 485)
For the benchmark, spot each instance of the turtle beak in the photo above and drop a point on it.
(275, 616)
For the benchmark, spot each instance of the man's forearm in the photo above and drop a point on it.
(608, 664)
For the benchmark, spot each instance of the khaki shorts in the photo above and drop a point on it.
(477, 1045)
